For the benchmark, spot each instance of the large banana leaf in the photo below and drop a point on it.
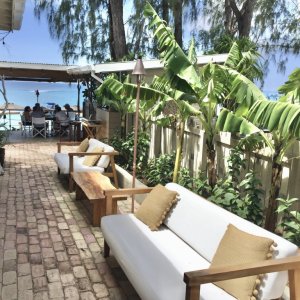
(291, 88)
(171, 53)
(280, 116)
(229, 122)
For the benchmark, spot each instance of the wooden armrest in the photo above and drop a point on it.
(127, 191)
(194, 279)
(92, 153)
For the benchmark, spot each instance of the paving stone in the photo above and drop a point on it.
(64, 267)
(9, 292)
(55, 290)
(10, 254)
(35, 258)
(25, 295)
(43, 295)
(46, 243)
(34, 249)
(24, 269)
(48, 252)
(40, 223)
(22, 239)
(79, 272)
(24, 283)
(67, 279)
(50, 263)
(53, 275)
(100, 290)
(9, 265)
(61, 256)
(87, 296)
(63, 225)
(58, 246)
(84, 284)
(22, 248)
(22, 258)
(38, 271)
(71, 293)
(40, 283)
(9, 277)
(33, 240)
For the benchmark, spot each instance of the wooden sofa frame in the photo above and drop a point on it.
(194, 279)
(112, 174)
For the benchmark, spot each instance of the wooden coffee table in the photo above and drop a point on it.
(90, 187)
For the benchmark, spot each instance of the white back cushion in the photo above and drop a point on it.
(202, 225)
(104, 159)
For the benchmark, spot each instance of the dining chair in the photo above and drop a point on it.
(39, 127)
(25, 126)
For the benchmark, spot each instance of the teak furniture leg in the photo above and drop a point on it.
(294, 283)
(98, 211)
(106, 249)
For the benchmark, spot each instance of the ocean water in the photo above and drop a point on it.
(23, 93)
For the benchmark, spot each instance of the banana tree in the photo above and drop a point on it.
(113, 98)
(282, 120)
(211, 85)
(163, 100)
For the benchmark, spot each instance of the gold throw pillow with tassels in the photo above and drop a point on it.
(156, 205)
(238, 247)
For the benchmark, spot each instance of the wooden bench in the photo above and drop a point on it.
(90, 186)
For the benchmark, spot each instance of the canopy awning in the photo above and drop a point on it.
(11, 14)
(36, 72)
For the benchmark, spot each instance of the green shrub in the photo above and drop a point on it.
(198, 185)
(125, 148)
(160, 169)
(289, 223)
(242, 198)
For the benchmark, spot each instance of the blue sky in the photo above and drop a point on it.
(32, 43)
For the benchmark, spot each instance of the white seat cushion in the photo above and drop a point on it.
(154, 261)
(62, 161)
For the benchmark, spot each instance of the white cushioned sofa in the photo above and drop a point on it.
(158, 262)
(73, 161)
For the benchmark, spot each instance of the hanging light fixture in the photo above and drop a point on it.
(139, 71)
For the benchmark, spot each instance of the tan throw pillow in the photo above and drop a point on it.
(155, 207)
(91, 160)
(83, 146)
(239, 247)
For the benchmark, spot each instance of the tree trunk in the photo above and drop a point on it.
(211, 164)
(165, 11)
(228, 16)
(271, 214)
(111, 37)
(179, 145)
(243, 16)
(178, 21)
(118, 31)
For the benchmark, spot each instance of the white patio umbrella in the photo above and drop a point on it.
(12, 108)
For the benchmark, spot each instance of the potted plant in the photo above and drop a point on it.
(3, 140)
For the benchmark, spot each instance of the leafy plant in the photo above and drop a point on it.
(160, 169)
(198, 185)
(289, 224)
(239, 197)
(3, 135)
(125, 148)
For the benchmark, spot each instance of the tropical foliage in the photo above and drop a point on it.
(289, 223)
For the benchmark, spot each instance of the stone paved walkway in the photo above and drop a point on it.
(48, 249)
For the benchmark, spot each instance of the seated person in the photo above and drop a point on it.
(27, 116)
(37, 111)
(68, 108)
(61, 119)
